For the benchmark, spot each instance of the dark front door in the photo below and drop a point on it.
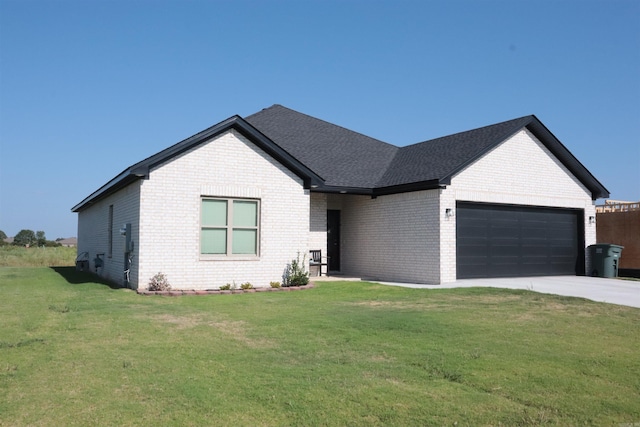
(512, 241)
(333, 239)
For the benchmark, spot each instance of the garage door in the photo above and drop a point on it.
(518, 241)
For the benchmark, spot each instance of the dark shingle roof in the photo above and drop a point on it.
(354, 162)
(340, 156)
(439, 159)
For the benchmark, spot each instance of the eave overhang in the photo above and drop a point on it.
(381, 191)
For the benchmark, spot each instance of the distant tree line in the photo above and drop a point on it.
(28, 238)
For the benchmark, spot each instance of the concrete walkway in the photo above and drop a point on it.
(613, 291)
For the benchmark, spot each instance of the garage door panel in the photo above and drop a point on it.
(508, 241)
(563, 252)
(471, 232)
(500, 251)
(533, 268)
(535, 232)
(535, 251)
(470, 252)
(561, 235)
(503, 232)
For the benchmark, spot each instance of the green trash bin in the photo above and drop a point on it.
(604, 259)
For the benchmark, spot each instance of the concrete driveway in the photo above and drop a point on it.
(612, 291)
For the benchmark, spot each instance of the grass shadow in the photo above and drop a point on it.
(73, 276)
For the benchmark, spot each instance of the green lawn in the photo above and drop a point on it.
(77, 352)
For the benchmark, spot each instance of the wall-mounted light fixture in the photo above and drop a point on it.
(592, 219)
(448, 213)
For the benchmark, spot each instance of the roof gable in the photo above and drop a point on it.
(437, 160)
(433, 163)
(343, 158)
(141, 169)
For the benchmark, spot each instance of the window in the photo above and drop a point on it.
(110, 233)
(229, 227)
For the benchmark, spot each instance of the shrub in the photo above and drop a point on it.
(246, 286)
(295, 273)
(229, 286)
(159, 282)
(274, 284)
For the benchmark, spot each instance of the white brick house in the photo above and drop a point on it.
(238, 201)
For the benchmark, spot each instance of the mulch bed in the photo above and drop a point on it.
(180, 292)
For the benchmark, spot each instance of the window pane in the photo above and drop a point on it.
(214, 212)
(245, 241)
(245, 213)
(213, 241)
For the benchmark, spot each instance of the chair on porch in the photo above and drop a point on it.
(315, 260)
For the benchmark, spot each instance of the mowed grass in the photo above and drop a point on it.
(77, 352)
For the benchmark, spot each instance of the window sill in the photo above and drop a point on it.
(229, 258)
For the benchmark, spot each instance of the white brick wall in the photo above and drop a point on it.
(392, 237)
(318, 226)
(227, 166)
(93, 226)
(447, 237)
(318, 222)
(519, 171)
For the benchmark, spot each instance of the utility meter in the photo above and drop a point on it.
(126, 232)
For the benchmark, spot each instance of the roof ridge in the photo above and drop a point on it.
(530, 116)
(323, 121)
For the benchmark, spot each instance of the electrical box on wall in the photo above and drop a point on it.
(126, 232)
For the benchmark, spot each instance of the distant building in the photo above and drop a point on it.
(70, 242)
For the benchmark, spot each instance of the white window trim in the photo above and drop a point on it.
(229, 256)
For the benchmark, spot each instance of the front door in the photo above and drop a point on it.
(333, 239)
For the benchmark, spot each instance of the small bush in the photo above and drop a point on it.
(295, 273)
(246, 286)
(159, 282)
(274, 284)
(225, 287)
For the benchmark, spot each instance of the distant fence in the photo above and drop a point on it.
(613, 206)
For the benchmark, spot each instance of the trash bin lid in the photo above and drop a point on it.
(608, 248)
(606, 245)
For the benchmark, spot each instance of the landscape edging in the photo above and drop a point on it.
(180, 292)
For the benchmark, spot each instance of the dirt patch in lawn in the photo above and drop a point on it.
(428, 303)
(236, 330)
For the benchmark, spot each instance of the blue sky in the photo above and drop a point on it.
(88, 88)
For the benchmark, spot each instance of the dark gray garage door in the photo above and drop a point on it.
(518, 241)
